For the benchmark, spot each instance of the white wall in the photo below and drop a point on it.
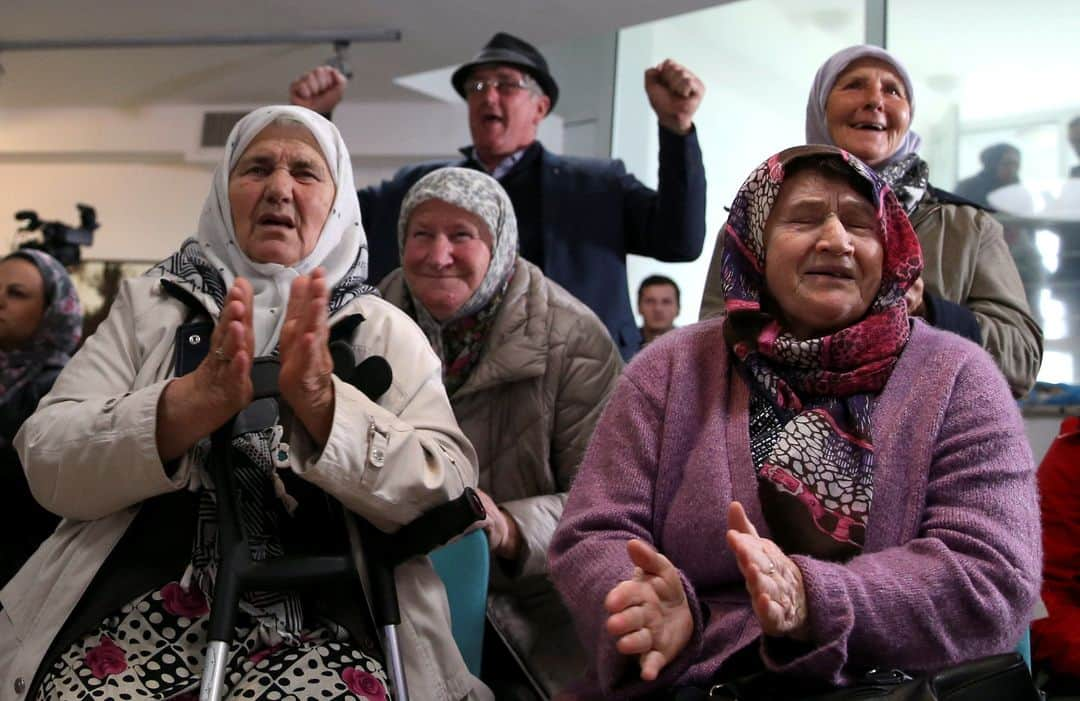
(585, 71)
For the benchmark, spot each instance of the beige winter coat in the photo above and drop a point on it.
(90, 456)
(967, 262)
(529, 408)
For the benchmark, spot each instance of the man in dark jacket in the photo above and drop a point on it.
(578, 218)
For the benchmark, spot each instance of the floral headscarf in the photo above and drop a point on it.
(57, 335)
(904, 171)
(459, 340)
(821, 391)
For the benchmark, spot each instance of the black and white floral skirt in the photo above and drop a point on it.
(154, 649)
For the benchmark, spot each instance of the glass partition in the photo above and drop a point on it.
(991, 73)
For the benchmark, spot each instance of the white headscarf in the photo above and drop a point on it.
(341, 248)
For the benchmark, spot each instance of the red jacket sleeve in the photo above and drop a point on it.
(1056, 640)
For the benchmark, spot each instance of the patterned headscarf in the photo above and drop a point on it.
(57, 334)
(207, 265)
(213, 260)
(904, 171)
(823, 387)
(459, 340)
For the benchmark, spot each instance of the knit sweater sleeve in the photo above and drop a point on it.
(611, 503)
(966, 584)
(614, 499)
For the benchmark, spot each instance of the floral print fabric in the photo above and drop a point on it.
(155, 649)
(821, 390)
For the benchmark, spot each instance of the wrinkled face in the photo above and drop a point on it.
(280, 193)
(22, 302)
(823, 254)
(867, 112)
(658, 306)
(1008, 168)
(446, 255)
(503, 120)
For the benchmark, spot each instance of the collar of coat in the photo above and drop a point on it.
(519, 344)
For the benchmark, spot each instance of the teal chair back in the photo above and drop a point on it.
(463, 567)
(1024, 648)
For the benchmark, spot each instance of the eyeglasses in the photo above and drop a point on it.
(504, 86)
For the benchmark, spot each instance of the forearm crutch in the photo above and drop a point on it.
(238, 573)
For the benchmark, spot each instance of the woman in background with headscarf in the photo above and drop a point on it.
(40, 326)
(528, 369)
(119, 449)
(862, 101)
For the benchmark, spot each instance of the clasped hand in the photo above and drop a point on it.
(193, 406)
(773, 579)
(649, 615)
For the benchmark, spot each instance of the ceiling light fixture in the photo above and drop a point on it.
(150, 42)
(339, 40)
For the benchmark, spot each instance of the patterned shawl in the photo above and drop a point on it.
(821, 390)
(207, 265)
(904, 171)
(459, 340)
(57, 334)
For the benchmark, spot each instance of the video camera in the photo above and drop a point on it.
(60, 240)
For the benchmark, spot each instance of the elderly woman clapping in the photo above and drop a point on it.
(815, 484)
(119, 449)
(862, 101)
(528, 369)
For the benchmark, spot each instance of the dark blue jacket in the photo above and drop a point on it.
(594, 213)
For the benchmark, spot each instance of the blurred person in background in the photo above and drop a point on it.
(658, 304)
(1000, 167)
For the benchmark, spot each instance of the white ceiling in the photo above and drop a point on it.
(435, 33)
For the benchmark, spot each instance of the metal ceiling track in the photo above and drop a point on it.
(145, 42)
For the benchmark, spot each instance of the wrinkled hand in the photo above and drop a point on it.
(774, 581)
(306, 363)
(914, 298)
(225, 372)
(675, 94)
(504, 536)
(650, 616)
(320, 89)
(195, 405)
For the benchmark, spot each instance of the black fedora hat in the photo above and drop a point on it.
(508, 49)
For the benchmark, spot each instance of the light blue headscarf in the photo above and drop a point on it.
(817, 129)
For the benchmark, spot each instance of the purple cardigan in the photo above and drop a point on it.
(951, 565)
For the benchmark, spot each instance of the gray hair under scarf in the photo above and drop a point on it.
(817, 128)
(479, 194)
